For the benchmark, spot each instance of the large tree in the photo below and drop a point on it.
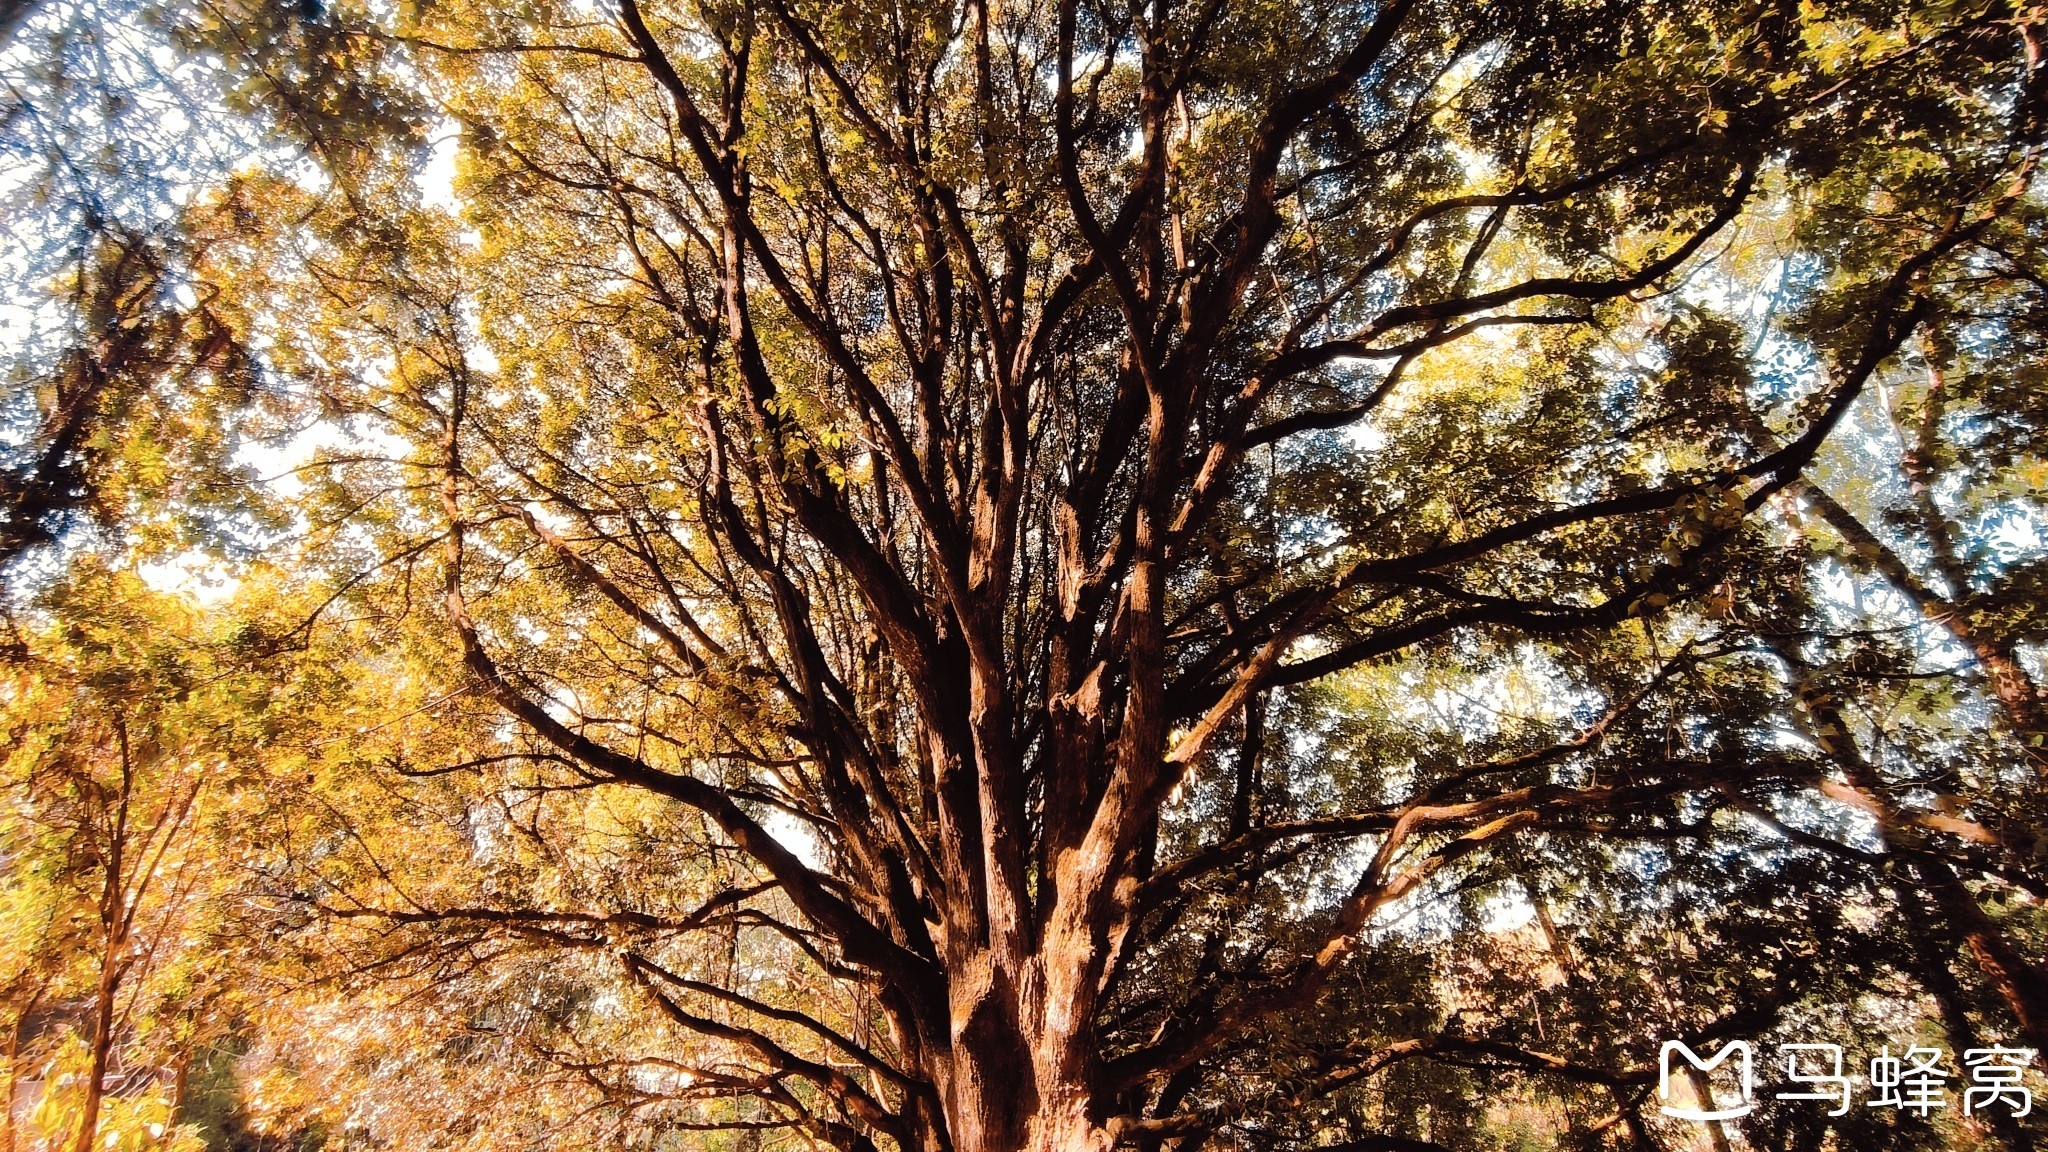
(1012, 480)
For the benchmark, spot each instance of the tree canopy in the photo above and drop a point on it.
(1002, 576)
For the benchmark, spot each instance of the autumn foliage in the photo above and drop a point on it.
(985, 577)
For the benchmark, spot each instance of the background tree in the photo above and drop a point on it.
(127, 399)
(123, 736)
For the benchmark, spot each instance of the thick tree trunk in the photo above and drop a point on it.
(998, 1105)
(1022, 1058)
(990, 1095)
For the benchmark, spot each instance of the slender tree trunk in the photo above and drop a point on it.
(2018, 981)
(1930, 950)
(1703, 1088)
(2016, 691)
(1632, 1117)
(2017, 694)
(13, 1077)
(102, 1048)
(113, 941)
(180, 1079)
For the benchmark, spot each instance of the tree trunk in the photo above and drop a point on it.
(13, 1077)
(1018, 1079)
(114, 941)
(2018, 981)
(1932, 949)
(102, 1048)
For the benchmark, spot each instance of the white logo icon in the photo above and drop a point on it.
(1746, 1067)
